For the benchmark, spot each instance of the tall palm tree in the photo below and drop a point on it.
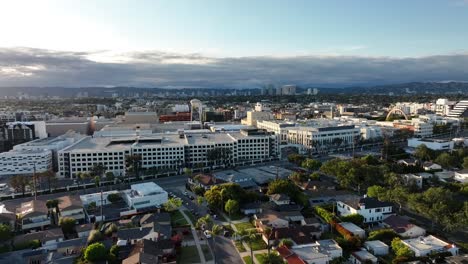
(267, 231)
(248, 236)
(215, 231)
(133, 162)
(54, 211)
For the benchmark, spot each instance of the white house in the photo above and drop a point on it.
(33, 215)
(371, 209)
(422, 246)
(146, 194)
(376, 247)
(72, 207)
(354, 229)
(413, 179)
(403, 227)
(461, 176)
(320, 252)
(362, 256)
(280, 199)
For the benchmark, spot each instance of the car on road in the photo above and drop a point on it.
(207, 233)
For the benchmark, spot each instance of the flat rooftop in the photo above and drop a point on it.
(426, 243)
(351, 227)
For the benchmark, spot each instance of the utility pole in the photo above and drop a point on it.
(102, 204)
(34, 181)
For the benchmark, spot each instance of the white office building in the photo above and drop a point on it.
(16, 162)
(434, 144)
(280, 128)
(167, 151)
(323, 137)
(144, 195)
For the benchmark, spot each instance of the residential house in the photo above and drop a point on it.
(371, 209)
(71, 247)
(289, 256)
(71, 206)
(431, 166)
(354, 229)
(376, 247)
(271, 219)
(319, 252)
(413, 180)
(147, 251)
(408, 162)
(280, 199)
(461, 176)
(251, 208)
(362, 257)
(33, 215)
(84, 230)
(206, 181)
(422, 246)
(48, 238)
(313, 185)
(133, 235)
(403, 227)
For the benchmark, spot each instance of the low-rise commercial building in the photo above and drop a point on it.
(17, 162)
(434, 144)
(143, 195)
(423, 246)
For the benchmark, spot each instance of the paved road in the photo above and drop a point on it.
(225, 251)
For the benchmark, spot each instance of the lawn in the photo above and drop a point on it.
(237, 216)
(258, 244)
(243, 226)
(190, 215)
(188, 255)
(247, 260)
(177, 219)
(239, 246)
(206, 252)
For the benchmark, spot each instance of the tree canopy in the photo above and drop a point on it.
(95, 252)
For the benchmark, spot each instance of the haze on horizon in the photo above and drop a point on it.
(177, 43)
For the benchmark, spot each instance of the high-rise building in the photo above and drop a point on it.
(288, 89)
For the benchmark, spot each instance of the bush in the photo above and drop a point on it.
(95, 236)
(356, 219)
(95, 252)
(68, 225)
(385, 235)
(200, 191)
(33, 244)
(324, 214)
(111, 229)
(114, 197)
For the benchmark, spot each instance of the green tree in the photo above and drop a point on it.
(231, 207)
(172, 204)
(114, 197)
(68, 225)
(97, 181)
(424, 153)
(376, 191)
(311, 164)
(296, 158)
(95, 252)
(385, 235)
(110, 176)
(5, 232)
(20, 183)
(446, 160)
(465, 162)
(400, 249)
(98, 169)
(133, 164)
(200, 191)
(314, 176)
(298, 176)
(49, 177)
(286, 242)
(249, 236)
(271, 258)
(200, 200)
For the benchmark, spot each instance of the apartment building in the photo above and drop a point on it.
(169, 150)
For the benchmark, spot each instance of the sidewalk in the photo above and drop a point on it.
(196, 240)
(246, 246)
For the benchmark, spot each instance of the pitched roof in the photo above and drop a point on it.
(134, 233)
(398, 223)
(32, 208)
(141, 258)
(83, 227)
(279, 197)
(156, 217)
(69, 202)
(289, 256)
(43, 236)
(368, 202)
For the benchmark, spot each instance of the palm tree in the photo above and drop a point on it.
(54, 211)
(133, 162)
(215, 231)
(248, 236)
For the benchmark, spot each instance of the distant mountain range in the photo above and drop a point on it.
(395, 89)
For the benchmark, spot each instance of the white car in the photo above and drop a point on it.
(207, 233)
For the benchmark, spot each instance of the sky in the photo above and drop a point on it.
(242, 43)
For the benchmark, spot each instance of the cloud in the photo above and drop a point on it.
(38, 67)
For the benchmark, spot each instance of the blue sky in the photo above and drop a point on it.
(242, 28)
(202, 38)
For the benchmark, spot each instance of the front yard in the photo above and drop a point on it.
(188, 255)
(243, 226)
(177, 219)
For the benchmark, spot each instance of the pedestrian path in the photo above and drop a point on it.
(196, 240)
